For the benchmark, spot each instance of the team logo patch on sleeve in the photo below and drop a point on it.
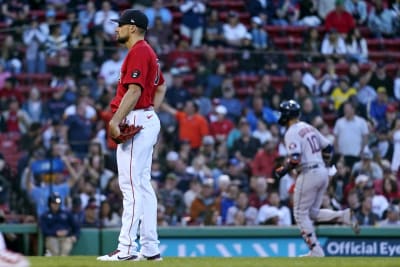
(292, 146)
(135, 74)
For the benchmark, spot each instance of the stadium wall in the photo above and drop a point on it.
(233, 242)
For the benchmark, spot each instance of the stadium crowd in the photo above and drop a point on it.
(219, 146)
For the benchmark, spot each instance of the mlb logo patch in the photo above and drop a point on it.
(135, 74)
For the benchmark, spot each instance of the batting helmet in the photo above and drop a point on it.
(289, 109)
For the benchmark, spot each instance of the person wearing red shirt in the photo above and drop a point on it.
(339, 19)
(220, 128)
(264, 162)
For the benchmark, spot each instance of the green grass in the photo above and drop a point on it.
(77, 261)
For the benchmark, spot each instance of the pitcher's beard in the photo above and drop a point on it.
(122, 40)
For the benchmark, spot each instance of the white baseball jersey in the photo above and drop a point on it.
(304, 139)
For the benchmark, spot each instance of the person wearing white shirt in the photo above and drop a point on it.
(267, 212)
(356, 46)
(103, 18)
(234, 31)
(110, 69)
(333, 44)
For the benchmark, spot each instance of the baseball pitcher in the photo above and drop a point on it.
(135, 127)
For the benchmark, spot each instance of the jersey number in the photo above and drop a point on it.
(157, 79)
(314, 144)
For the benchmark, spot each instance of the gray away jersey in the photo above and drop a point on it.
(304, 139)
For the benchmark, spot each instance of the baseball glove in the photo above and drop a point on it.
(127, 132)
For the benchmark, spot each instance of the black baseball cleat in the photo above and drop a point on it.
(141, 257)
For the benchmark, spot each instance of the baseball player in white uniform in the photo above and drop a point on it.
(140, 91)
(309, 152)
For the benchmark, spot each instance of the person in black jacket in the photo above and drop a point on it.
(58, 227)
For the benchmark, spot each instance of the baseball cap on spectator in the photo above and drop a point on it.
(133, 17)
(393, 208)
(362, 178)
(220, 109)
(366, 153)
(267, 212)
(208, 182)
(172, 156)
(381, 89)
(208, 140)
(257, 20)
(234, 162)
(50, 13)
(171, 176)
(233, 14)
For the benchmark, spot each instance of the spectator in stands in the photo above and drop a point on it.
(227, 199)
(161, 217)
(343, 92)
(14, 119)
(193, 12)
(259, 36)
(102, 19)
(263, 9)
(333, 46)
(56, 43)
(365, 216)
(381, 21)
(241, 213)
(91, 218)
(308, 13)
(4, 74)
(192, 126)
(247, 57)
(390, 187)
(358, 9)
(172, 200)
(10, 55)
(191, 194)
(204, 204)
(354, 73)
(266, 88)
(34, 37)
(177, 94)
(220, 128)
(365, 93)
(395, 164)
(110, 68)
(160, 36)
(379, 77)
(378, 107)
(291, 86)
(285, 215)
(34, 106)
(86, 17)
(309, 109)
(228, 99)
(213, 29)
(379, 201)
(263, 163)
(158, 10)
(311, 46)
(356, 46)
(259, 196)
(246, 146)
(182, 58)
(392, 217)
(80, 129)
(59, 228)
(394, 6)
(287, 12)
(262, 132)
(108, 217)
(339, 19)
(15, 12)
(259, 110)
(234, 30)
(368, 166)
(324, 7)
(351, 133)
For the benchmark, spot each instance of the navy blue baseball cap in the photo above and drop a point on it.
(133, 17)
